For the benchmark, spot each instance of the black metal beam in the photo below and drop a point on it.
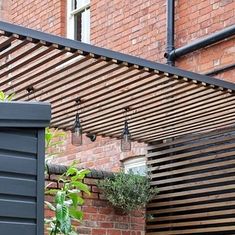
(170, 30)
(97, 51)
(202, 43)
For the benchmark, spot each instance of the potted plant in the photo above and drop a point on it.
(128, 192)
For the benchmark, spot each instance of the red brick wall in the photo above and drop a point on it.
(103, 154)
(100, 218)
(134, 27)
(196, 19)
(138, 28)
(43, 15)
(5, 10)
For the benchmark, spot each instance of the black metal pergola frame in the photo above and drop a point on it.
(162, 101)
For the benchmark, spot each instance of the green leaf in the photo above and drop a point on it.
(74, 190)
(2, 96)
(76, 214)
(80, 201)
(82, 173)
(71, 171)
(74, 198)
(60, 197)
(81, 186)
(10, 97)
(50, 206)
(62, 213)
(66, 226)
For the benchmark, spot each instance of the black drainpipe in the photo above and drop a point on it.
(172, 54)
(170, 30)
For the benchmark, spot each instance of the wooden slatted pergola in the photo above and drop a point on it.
(162, 101)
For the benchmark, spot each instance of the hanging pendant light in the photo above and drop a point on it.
(76, 132)
(126, 139)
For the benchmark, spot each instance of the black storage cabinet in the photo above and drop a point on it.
(22, 150)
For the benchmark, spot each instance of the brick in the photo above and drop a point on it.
(106, 211)
(89, 209)
(114, 232)
(122, 226)
(126, 233)
(98, 232)
(84, 231)
(106, 225)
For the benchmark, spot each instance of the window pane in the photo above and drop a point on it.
(78, 26)
(86, 26)
(139, 170)
(78, 4)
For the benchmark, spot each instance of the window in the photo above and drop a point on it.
(137, 165)
(78, 20)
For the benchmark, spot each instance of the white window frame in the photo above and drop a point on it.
(83, 5)
(138, 161)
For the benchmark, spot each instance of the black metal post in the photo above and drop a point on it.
(202, 43)
(170, 30)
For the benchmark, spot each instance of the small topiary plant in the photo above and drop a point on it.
(128, 192)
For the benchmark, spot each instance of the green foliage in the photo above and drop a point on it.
(66, 202)
(128, 191)
(5, 97)
(54, 140)
(54, 137)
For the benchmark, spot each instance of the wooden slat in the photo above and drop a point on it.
(229, 212)
(196, 207)
(226, 124)
(191, 138)
(198, 159)
(67, 90)
(200, 199)
(152, 107)
(199, 183)
(149, 78)
(7, 42)
(37, 75)
(195, 231)
(145, 90)
(196, 182)
(106, 96)
(193, 223)
(192, 153)
(137, 130)
(13, 49)
(188, 125)
(191, 177)
(25, 62)
(117, 107)
(147, 106)
(192, 169)
(159, 111)
(193, 145)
